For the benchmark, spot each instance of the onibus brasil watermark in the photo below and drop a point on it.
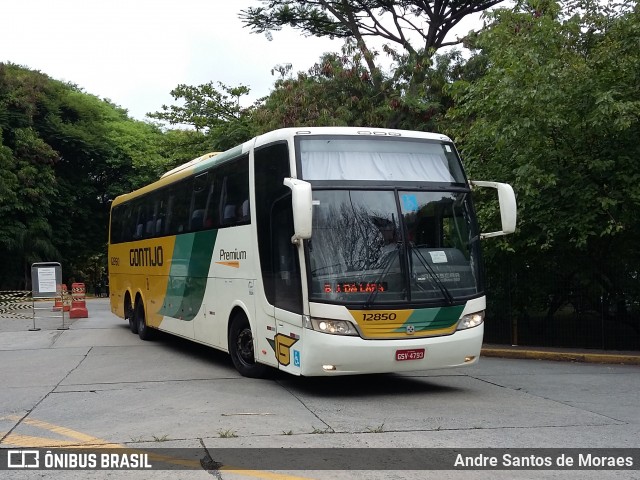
(320, 458)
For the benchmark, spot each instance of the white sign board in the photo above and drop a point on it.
(46, 278)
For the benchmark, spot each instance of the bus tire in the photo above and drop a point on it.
(144, 331)
(241, 348)
(129, 315)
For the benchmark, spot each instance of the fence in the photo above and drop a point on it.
(574, 312)
(16, 304)
(22, 305)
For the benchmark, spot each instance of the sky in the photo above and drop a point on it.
(134, 52)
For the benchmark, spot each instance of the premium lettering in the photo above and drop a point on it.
(233, 255)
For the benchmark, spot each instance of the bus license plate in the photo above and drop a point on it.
(413, 354)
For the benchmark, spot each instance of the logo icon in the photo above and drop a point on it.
(296, 358)
(281, 345)
(411, 329)
(23, 458)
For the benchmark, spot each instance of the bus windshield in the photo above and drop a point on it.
(392, 246)
(381, 159)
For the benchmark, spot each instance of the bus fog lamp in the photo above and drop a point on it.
(334, 327)
(471, 320)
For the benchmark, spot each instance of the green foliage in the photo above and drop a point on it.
(413, 31)
(214, 111)
(64, 155)
(339, 90)
(368, 18)
(557, 115)
(336, 91)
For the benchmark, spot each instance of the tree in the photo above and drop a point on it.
(335, 91)
(338, 90)
(27, 181)
(417, 28)
(557, 115)
(215, 111)
(64, 155)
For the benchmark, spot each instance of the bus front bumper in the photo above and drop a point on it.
(329, 355)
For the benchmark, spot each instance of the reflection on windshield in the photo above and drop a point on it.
(359, 253)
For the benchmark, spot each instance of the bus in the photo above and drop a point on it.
(316, 251)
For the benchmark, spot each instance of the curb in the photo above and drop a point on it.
(560, 356)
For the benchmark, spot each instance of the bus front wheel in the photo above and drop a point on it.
(241, 348)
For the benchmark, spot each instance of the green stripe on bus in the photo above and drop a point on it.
(188, 275)
(425, 319)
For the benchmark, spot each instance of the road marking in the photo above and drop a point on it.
(260, 474)
(82, 440)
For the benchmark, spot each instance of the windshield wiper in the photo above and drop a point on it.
(372, 296)
(445, 293)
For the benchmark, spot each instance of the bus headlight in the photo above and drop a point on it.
(471, 320)
(334, 327)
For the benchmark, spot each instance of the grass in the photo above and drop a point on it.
(378, 429)
(320, 430)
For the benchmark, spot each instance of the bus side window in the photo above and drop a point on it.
(211, 205)
(161, 206)
(229, 214)
(178, 210)
(127, 224)
(245, 213)
(141, 220)
(287, 283)
(234, 190)
(169, 215)
(271, 167)
(198, 202)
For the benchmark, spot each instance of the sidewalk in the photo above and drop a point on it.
(561, 354)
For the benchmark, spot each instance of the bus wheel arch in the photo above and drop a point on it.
(241, 345)
(140, 319)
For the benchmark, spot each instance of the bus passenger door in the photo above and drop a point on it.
(287, 287)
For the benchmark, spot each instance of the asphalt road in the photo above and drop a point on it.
(96, 384)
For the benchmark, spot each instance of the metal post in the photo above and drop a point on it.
(33, 315)
(63, 327)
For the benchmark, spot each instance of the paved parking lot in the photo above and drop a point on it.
(97, 384)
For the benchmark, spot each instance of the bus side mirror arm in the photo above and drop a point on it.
(508, 208)
(301, 203)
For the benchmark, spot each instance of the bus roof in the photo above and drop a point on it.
(190, 163)
(210, 159)
(287, 133)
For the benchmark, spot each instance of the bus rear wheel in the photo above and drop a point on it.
(144, 331)
(241, 348)
(129, 314)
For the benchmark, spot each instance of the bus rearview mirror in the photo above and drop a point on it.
(508, 208)
(301, 202)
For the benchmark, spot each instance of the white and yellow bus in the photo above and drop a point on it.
(316, 251)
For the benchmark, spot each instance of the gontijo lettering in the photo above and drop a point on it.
(146, 257)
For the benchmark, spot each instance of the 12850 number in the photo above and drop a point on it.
(375, 317)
